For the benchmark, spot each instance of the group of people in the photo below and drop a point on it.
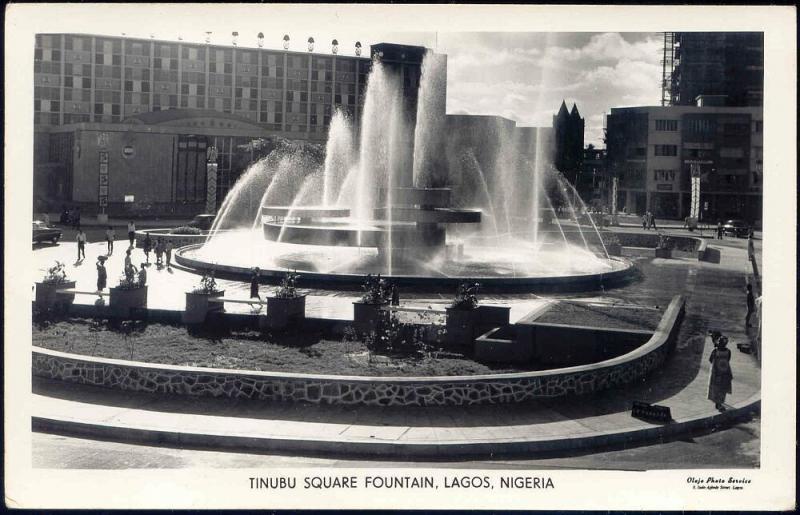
(132, 274)
(649, 221)
(161, 248)
(70, 217)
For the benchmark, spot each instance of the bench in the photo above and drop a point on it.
(70, 291)
(221, 300)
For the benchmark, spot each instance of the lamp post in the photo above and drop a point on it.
(358, 48)
(334, 47)
(286, 42)
(260, 39)
(310, 44)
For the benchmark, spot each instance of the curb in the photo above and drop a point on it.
(386, 450)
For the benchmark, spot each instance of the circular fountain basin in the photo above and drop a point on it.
(512, 267)
(305, 212)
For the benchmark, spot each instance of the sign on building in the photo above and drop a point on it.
(102, 189)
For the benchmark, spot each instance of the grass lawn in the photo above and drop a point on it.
(301, 352)
(617, 317)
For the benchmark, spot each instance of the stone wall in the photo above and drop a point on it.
(352, 390)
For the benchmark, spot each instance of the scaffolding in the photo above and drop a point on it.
(667, 69)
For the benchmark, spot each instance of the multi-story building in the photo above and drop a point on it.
(87, 78)
(593, 183)
(715, 63)
(651, 151)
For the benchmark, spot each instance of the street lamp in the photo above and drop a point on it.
(358, 48)
(260, 39)
(310, 44)
(335, 47)
(235, 36)
(286, 42)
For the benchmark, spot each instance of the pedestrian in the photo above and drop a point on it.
(751, 305)
(81, 239)
(102, 275)
(168, 251)
(148, 246)
(652, 221)
(110, 239)
(132, 232)
(254, 273)
(129, 268)
(76, 218)
(720, 381)
(64, 219)
(159, 252)
(719, 230)
(395, 295)
(143, 276)
(644, 221)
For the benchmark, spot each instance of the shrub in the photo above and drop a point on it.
(56, 274)
(664, 241)
(185, 229)
(208, 284)
(376, 290)
(287, 288)
(467, 296)
(611, 238)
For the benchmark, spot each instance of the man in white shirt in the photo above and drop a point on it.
(131, 232)
(110, 239)
(81, 239)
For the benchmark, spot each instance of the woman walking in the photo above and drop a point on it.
(102, 276)
(719, 384)
(159, 252)
(168, 251)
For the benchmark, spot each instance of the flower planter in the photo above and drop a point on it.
(663, 253)
(198, 306)
(461, 326)
(369, 318)
(122, 301)
(614, 249)
(283, 311)
(47, 299)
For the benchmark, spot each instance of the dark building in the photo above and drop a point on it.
(568, 134)
(651, 151)
(730, 64)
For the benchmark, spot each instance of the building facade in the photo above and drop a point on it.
(651, 151)
(730, 64)
(88, 78)
(594, 184)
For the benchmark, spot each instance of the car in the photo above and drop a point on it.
(738, 228)
(203, 222)
(42, 232)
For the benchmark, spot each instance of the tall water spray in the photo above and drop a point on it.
(339, 157)
(431, 119)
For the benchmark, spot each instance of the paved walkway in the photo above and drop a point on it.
(715, 299)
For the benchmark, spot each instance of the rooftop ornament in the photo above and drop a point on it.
(208, 37)
(358, 48)
(286, 42)
(235, 36)
(335, 47)
(310, 44)
(260, 39)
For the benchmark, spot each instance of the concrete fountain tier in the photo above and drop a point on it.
(305, 212)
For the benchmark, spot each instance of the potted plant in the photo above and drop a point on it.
(612, 243)
(130, 293)
(369, 314)
(197, 300)
(462, 315)
(55, 279)
(664, 246)
(287, 305)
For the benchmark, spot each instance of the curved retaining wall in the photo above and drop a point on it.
(355, 390)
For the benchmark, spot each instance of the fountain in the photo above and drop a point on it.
(397, 196)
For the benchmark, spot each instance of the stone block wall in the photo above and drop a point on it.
(352, 390)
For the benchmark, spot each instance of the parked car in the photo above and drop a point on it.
(41, 232)
(203, 222)
(738, 228)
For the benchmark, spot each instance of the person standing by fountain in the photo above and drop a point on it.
(719, 230)
(110, 239)
(142, 276)
(168, 252)
(254, 273)
(159, 252)
(651, 221)
(132, 232)
(720, 382)
(81, 239)
(147, 246)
